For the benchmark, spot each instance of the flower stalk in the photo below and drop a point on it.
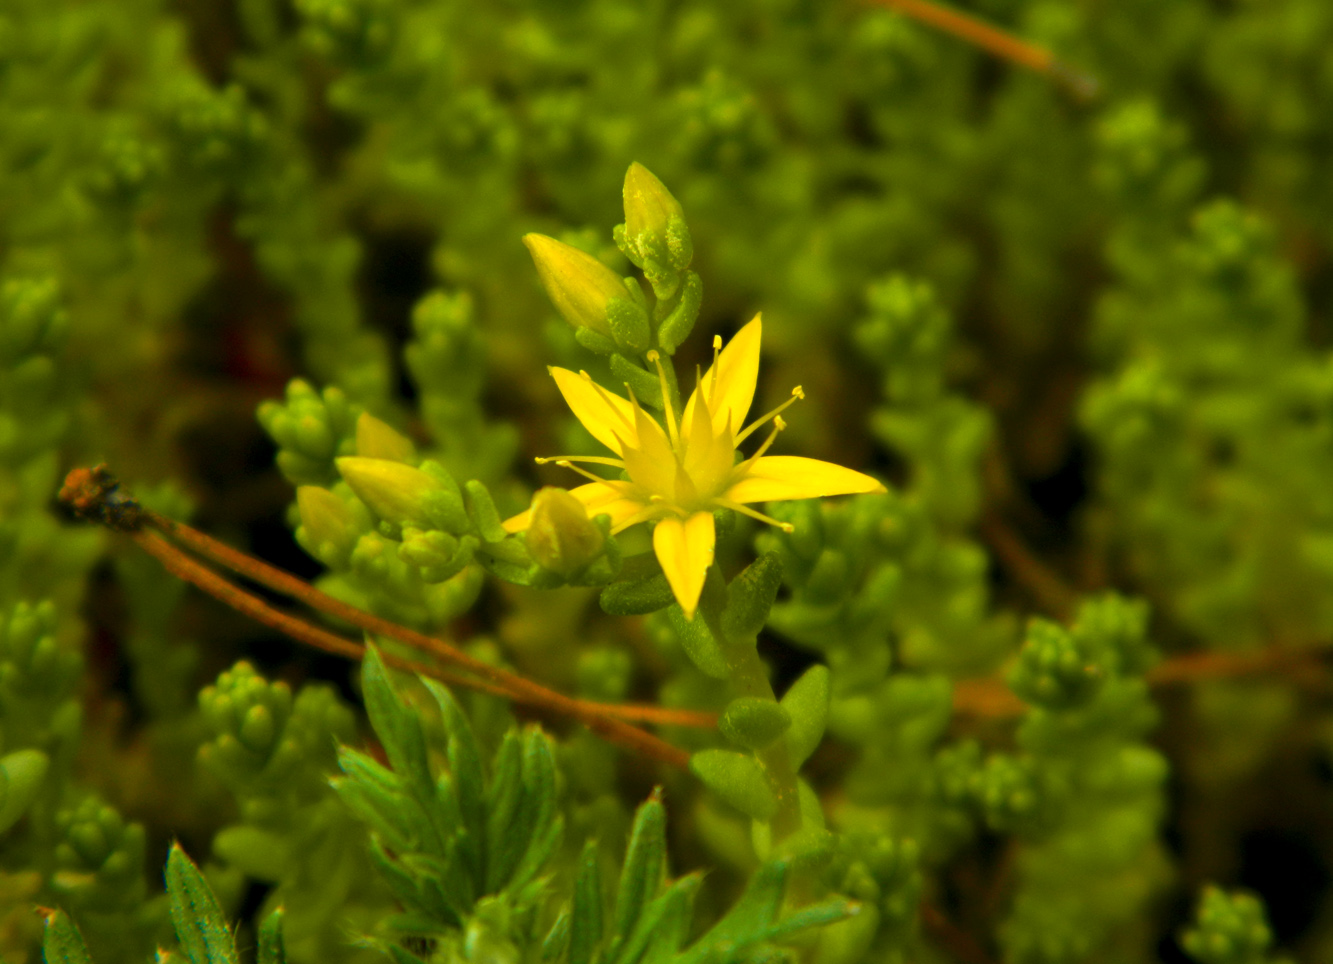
(749, 678)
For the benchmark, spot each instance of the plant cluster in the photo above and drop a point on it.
(996, 639)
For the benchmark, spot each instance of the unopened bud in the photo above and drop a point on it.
(655, 229)
(561, 537)
(395, 492)
(377, 440)
(328, 529)
(437, 554)
(585, 291)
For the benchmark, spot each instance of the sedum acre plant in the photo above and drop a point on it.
(1006, 647)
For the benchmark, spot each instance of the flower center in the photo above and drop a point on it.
(689, 466)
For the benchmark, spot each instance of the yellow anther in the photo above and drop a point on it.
(796, 393)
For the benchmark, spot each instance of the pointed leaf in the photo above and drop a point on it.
(195, 914)
(585, 920)
(505, 841)
(396, 725)
(464, 758)
(62, 943)
(271, 949)
(644, 868)
(557, 940)
(748, 918)
(815, 915)
(540, 813)
(675, 902)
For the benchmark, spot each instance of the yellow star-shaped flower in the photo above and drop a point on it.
(680, 474)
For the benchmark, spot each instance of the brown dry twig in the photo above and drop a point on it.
(95, 494)
(999, 43)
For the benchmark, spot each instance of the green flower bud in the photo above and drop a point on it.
(587, 292)
(99, 858)
(437, 554)
(393, 491)
(328, 529)
(561, 537)
(247, 715)
(656, 237)
(376, 440)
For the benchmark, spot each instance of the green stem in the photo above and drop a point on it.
(749, 678)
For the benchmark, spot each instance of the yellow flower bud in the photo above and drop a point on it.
(656, 237)
(328, 528)
(376, 440)
(561, 537)
(649, 206)
(578, 284)
(393, 491)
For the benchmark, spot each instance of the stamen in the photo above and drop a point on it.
(609, 399)
(596, 459)
(746, 510)
(797, 393)
(672, 429)
(566, 464)
(779, 425)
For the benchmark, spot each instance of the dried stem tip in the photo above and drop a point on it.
(94, 494)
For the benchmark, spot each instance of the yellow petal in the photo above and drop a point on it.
(598, 498)
(737, 374)
(650, 462)
(685, 550)
(604, 414)
(775, 478)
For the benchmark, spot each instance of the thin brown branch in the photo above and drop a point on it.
(95, 494)
(997, 42)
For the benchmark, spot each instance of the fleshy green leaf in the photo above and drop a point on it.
(807, 702)
(750, 597)
(753, 722)
(638, 597)
(21, 776)
(738, 779)
(699, 643)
